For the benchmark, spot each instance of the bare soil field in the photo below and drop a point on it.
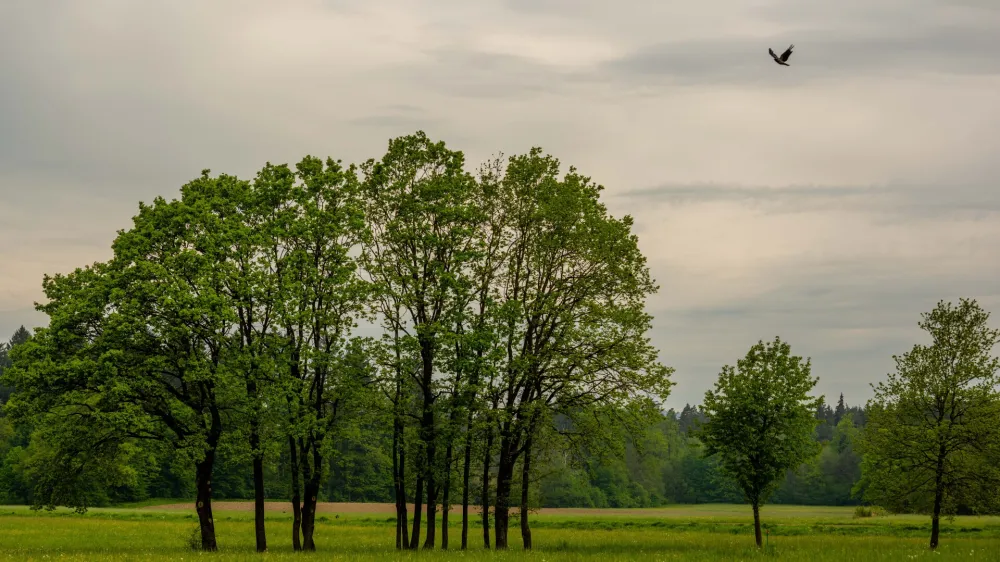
(388, 509)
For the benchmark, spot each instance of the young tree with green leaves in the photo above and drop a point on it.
(934, 422)
(761, 420)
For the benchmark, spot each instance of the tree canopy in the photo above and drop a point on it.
(934, 423)
(761, 420)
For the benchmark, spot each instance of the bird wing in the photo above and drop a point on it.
(787, 53)
(774, 56)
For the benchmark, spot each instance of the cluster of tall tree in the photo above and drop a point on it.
(229, 323)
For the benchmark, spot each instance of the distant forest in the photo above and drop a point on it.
(664, 466)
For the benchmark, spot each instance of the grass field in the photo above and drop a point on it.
(154, 531)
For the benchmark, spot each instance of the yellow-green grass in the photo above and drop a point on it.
(696, 533)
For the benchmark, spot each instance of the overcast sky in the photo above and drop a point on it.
(829, 202)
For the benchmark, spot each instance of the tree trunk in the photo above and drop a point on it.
(203, 484)
(399, 455)
(935, 525)
(429, 437)
(525, 472)
(938, 499)
(465, 484)
(258, 486)
(432, 499)
(398, 472)
(296, 497)
(446, 497)
(501, 510)
(487, 456)
(311, 475)
(309, 515)
(418, 497)
(756, 524)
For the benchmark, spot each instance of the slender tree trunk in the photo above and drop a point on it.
(418, 497)
(294, 447)
(756, 524)
(938, 500)
(935, 525)
(203, 484)
(311, 476)
(465, 483)
(432, 499)
(446, 497)
(429, 437)
(404, 517)
(395, 482)
(258, 484)
(487, 456)
(398, 471)
(296, 497)
(399, 455)
(525, 473)
(501, 510)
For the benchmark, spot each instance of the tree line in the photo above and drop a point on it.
(454, 338)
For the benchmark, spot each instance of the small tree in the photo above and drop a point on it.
(934, 424)
(760, 420)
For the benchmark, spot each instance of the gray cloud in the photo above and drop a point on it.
(960, 201)
(819, 55)
(873, 156)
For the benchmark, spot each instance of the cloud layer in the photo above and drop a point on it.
(829, 202)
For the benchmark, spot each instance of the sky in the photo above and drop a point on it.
(830, 202)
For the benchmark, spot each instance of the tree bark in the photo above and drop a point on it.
(311, 475)
(501, 509)
(756, 524)
(938, 499)
(429, 437)
(418, 497)
(432, 500)
(525, 472)
(296, 497)
(487, 456)
(398, 472)
(465, 483)
(399, 456)
(258, 485)
(446, 497)
(203, 484)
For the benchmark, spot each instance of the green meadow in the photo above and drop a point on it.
(695, 533)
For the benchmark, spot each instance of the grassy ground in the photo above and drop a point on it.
(694, 533)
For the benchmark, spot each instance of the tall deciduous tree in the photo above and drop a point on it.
(935, 421)
(137, 348)
(322, 297)
(422, 235)
(761, 420)
(571, 293)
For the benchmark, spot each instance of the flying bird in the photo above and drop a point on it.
(784, 56)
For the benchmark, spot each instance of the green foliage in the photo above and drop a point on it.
(865, 511)
(761, 418)
(934, 423)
